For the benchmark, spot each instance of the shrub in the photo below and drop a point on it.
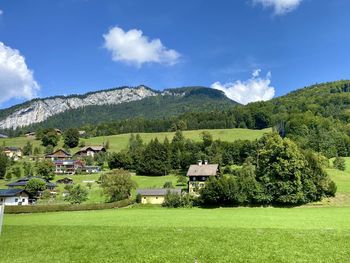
(35, 185)
(76, 194)
(168, 185)
(65, 207)
(339, 163)
(138, 198)
(175, 200)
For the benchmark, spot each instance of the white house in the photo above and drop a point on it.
(14, 197)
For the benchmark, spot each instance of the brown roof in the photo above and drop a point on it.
(59, 152)
(93, 148)
(203, 170)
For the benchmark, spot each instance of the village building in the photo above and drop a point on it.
(22, 183)
(91, 169)
(14, 197)
(90, 150)
(30, 134)
(14, 153)
(198, 174)
(59, 154)
(67, 166)
(3, 136)
(155, 196)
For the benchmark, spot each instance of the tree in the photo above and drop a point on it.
(207, 139)
(71, 137)
(50, 138)
(76, 194)
(100, 158)
(9, 175)
(16, 171)
(46, 169)
(35, 185)
(27, 168)
(120, 160)
(28, 149)
(37, 151)
(155, 159)
(49, 149)
(182, 180)
(117, 185)
(339, 163)
(4, 162)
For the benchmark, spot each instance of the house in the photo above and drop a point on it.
(90, 150)
(198, 174)
(67, 166)
(22, 183)
(91, 169)
(14, 197)
(155, 196)
(3, 136)
(14, 153)
(65, 180)
(59, 154)
(30, 134)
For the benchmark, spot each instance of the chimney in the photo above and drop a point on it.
(199, 162)
(205, 162)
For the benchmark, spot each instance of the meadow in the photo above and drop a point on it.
(121, 141)
(312, 233)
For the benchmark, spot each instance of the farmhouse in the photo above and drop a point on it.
(67, 166)
(91, 169)
(59, 154)
(198, 174)
(14, 153)
(155, 196)
(90, 150)
(2, 136)
(14, 197)
(22, 183)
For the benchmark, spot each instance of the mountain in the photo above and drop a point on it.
(113, 104)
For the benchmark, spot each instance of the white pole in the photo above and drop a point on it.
(2, 209)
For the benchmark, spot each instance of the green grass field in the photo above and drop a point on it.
(317, 232)
(120, 142)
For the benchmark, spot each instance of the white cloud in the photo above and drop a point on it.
(133, 47)
(280, 7)
(1, 12)
(16, 80)
(254, 89)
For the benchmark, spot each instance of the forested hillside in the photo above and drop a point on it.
(316, 117)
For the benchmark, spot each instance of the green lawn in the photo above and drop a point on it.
(120, 142)
(179, 235)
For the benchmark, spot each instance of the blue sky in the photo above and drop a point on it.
(76, 46)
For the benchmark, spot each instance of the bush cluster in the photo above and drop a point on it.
(65, 207)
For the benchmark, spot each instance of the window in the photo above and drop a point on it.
(156, 197)
(144, 197)
(1, 200)
(16, 200)
(23, 200)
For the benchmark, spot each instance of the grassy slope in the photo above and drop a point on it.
(119, 142)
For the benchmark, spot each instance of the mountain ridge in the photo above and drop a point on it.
(40, 109)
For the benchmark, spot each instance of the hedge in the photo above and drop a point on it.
(65, 207)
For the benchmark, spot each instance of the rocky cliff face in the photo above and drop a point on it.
(40, 110)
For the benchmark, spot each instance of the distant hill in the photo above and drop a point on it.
(111, 105)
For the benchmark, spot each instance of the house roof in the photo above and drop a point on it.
(12, 148)
(203, 170)
(11, 192)
(91, 148)
(3, 135)
(55, 153)
(23, 182)
(157, 192)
